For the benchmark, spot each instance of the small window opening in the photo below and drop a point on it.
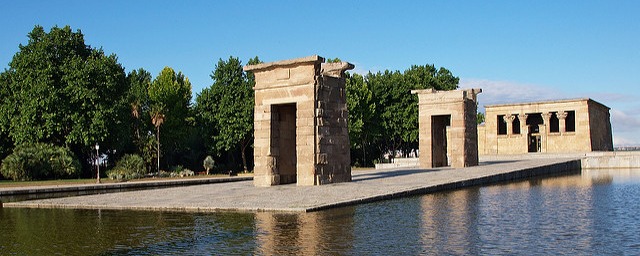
(554, 123)
(502, 125)
(570, 121)
(515, 126)
(533, 121)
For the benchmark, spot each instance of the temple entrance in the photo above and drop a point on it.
(534, 143)
(533, 136)
(283, 141)
(439, 126)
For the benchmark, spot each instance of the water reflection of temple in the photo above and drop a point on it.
(304, 233)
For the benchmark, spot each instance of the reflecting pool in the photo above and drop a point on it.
(592, 213)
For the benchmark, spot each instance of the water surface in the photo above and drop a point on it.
(593, 213)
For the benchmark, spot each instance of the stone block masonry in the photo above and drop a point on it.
(301, 117)
(557, 126)
(447, 128)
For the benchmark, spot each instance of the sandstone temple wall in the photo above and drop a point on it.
(301, 132)
(579, 125)
(447, 123)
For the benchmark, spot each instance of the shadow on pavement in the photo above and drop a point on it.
(386, 174)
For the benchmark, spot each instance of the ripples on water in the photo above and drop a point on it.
(594, 213)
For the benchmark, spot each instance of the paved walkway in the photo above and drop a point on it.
(367, 186)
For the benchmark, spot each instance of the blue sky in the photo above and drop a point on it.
(514, 50)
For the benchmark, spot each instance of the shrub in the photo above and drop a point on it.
(177, 168)
(208, 163)
(182, 173)
(130, 166)
(40, 161)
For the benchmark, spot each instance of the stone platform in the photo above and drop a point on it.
(367, 186)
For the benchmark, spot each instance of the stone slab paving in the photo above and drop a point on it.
(367, 186)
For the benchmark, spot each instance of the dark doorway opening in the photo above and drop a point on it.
(570, 121)
(515, 126)
(554, 123)
(283, 141)
(533, 137)
(502, 125)
(439, 126)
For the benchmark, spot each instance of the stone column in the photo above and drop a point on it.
(524, 133)
(524, 128)
(544, 131)
(546, 118)
(562, 116)
(509, 120)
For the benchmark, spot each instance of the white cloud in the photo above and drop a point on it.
(624, 122)
(498, 92)
(613, 97)
(620, 139)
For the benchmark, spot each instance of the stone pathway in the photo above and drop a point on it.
(367, 186)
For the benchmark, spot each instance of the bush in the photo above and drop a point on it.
(128, 167)
(177, 168)
(208, 163)
(40, 161)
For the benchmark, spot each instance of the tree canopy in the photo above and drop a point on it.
(226, 108)
(62, 92)
(170, 99)
(383, 114)
(59, 90)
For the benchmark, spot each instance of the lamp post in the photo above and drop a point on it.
(98, 162)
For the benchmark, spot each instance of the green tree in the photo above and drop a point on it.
(143, 142)
(364, 127)
(170, 95)
(6, 145)
(157, 119)
(138, 98)
(59, 90)
(396, 108)
(390, 91)
(226, 108)
(480, 117)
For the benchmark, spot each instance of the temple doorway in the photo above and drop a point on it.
(283, 141)
(533, 136)
(439, 126)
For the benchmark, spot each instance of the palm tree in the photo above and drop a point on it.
(157, 118)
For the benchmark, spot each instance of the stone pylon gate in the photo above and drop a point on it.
(301, 133)
(448, 134)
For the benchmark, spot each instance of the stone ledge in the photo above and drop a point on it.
(117, 186)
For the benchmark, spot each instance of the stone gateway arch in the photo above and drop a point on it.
(301, 132)
(447, 123)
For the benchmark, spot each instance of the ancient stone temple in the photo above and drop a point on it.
(301, 133)
(560, 126)
(447, 128)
